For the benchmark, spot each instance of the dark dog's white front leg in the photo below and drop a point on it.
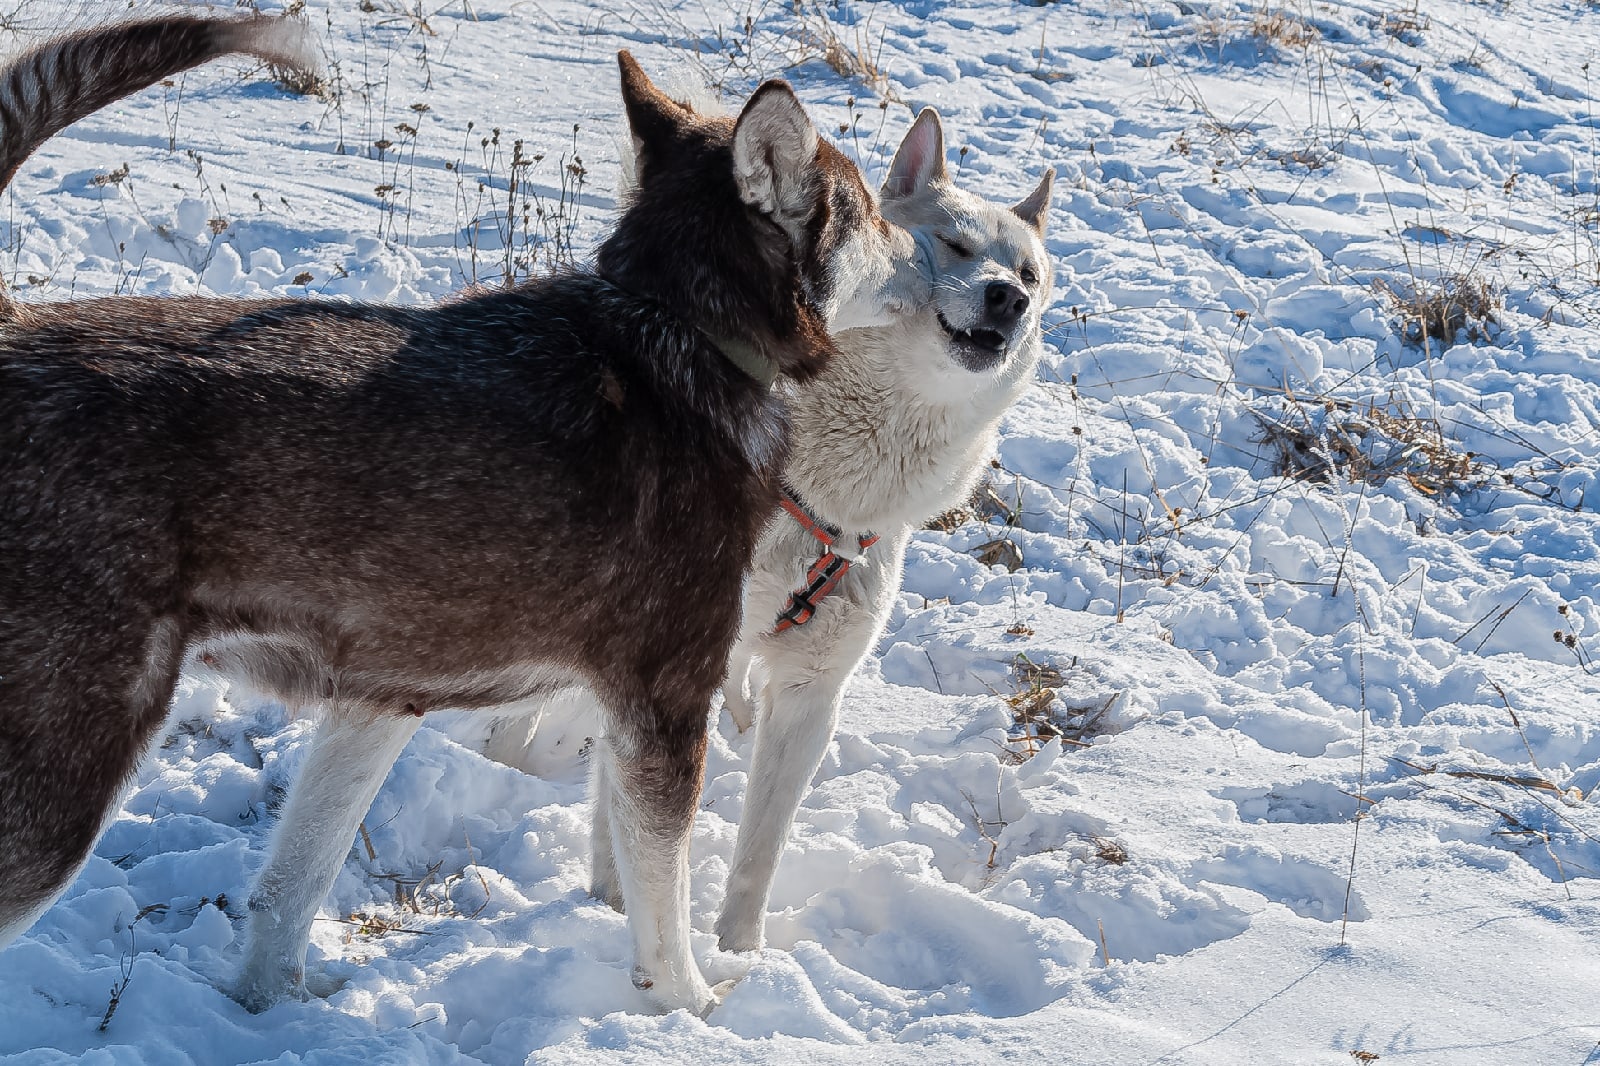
(650, 806)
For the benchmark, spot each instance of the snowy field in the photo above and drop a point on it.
(1277, 747)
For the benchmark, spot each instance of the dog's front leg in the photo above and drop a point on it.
(806, 671)
(349, 759)
(652, 778)
(800, 714)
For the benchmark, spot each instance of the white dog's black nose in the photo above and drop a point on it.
(1004, 302)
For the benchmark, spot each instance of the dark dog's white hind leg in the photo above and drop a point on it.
(350, 757)
(603, 883)
(806, 671)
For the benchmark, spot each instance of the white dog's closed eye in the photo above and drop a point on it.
(925, 256)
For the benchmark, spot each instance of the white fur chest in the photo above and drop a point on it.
(881, 441)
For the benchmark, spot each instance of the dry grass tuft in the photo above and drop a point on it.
(1319, 440)
(1036, 687)
(949, 521)
(1439, 310)
(1109, 851)
(1269, 25)
(985, 505)
(1051, 702)
(1406, 25)
(290, 79)
(1311, 157)
(1282, 28)
(854, 56)
(301, 82)
(767, 39)
(374, 926)
(1033, 720)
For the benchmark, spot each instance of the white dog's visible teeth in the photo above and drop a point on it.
(990, 340)
(955, 334)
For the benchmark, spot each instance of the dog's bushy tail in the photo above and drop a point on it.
(55, 84)
(49, 87)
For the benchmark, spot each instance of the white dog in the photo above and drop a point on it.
(894, 431)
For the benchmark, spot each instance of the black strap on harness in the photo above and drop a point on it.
(824, 575)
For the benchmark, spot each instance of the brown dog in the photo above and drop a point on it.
(390, 510)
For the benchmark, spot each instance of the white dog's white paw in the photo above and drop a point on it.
(740, 928)
(257, 991)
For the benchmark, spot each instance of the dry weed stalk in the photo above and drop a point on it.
(1513, 825)
(125, 965)
(983, 825)
(529, 231)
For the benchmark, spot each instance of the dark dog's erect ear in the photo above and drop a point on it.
(774, 157)
(1036, 207)
(920, 159)
(653, 116)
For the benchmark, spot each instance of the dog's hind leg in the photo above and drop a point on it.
(654, 762)
(83, 695)
(350, 757)
(806, 672)
(603, 883)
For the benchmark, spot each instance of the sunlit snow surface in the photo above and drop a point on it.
(1259, 656)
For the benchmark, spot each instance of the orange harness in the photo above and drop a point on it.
(824, 575)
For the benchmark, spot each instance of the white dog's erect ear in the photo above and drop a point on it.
(920, 158)
(774, 153)
(1036, 207)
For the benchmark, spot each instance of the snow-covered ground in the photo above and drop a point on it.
(1242, 661)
